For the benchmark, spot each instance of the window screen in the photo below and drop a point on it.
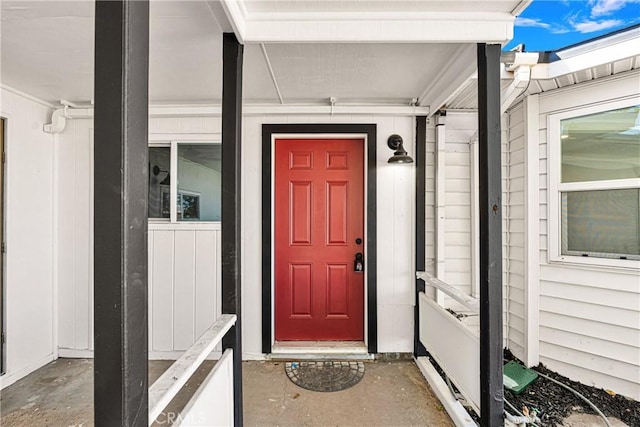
(603, 223)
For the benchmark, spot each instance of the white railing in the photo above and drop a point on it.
(165, 388)
(467, 300)
(452, 345)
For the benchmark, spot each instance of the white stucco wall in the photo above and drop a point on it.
(30, 261)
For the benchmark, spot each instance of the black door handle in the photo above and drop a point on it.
(358, 263)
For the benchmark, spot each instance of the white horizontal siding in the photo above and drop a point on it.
(505, 156)
(597, 329)
(589, 316)
(460, 128)
(603, 348)
(430, 201)
(602, 373)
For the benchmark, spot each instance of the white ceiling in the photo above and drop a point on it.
(47, 52)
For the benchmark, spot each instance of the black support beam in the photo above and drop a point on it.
(492, 394)
(232, 54)
(120, 212)
(421, 160)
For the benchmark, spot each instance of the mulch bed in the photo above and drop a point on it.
(554, 402)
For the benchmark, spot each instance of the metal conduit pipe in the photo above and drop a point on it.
(517, 420)
(521, 415)
(591, 404)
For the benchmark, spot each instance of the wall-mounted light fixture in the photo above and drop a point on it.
(400, 155)
(156, 171)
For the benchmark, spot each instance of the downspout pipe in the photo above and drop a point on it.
(59, 116)
(58, 121)
(520, 65)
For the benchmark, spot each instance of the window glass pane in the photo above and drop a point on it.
(159, 178)
(603, 223)
(199, 182)
(601, 146)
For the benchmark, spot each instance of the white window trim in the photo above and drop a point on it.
(161, 141)
(556, 187)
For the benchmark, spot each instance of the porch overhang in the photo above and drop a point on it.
(358, 27)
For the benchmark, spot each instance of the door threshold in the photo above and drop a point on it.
(320, 350)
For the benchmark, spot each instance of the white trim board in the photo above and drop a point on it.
(532, 232)
(362, 27)
(178, 110)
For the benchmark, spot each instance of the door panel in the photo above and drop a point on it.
(337, 295)
(319, 214)
(300, 199)
(300, 277)
(336, 213)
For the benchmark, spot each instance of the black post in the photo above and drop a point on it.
(492, 394)
(421, 160)
(231, 149)
(120, 212)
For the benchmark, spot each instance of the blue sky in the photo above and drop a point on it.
(552, 24)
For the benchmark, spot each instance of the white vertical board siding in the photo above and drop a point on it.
(395, 233)
(207, 279)
(161, 275)
(184, 260)
(185, 286)
(184, 256)
(29, 268)
(75, 236)
(589, 315)
(395, 239)
(184, 265)
(514, 232)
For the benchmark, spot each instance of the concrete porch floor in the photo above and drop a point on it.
(390, 394)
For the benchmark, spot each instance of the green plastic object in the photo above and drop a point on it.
(517, 377)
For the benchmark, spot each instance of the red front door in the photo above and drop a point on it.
(319, 229)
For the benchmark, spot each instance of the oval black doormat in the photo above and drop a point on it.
(325, 375)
